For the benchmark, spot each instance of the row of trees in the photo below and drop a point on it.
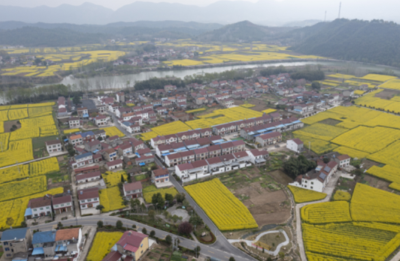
(298, 166)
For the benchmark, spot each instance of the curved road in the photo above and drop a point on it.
(206, 250)
(222, 243)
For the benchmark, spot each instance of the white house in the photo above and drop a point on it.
(257, 157)
(295, 145)
(53, 147)
(88, 177)
(125, 149)
(82, 160)
(102, 120)
(89, 200)
(74, 122)
(318, 178)
(114, 165)
(343, 160)
(39, 207)
(133, 190)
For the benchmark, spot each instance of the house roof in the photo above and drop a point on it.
(199, 163)
(131, 240)
(44, 237)
(297, 141)
(133, 186)
(39, 202)
(270, 135)
(343, 157)
(10, 234)
(87, 133)
(52, 142)
(87, 169)
(240, 154)
(67, 234)
(214, 160)
(160, 172)
(113, 163)
(61, 200)
(185, 166)
(74, 137)
(257, 152)
(88, 175)
(84, 155)
(214, 148)
(112, 256)
(94, 143)
(201, 151)
(88, 193)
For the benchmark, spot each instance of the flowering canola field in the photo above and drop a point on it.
(114, 178)
(305, 195)
(224, 209)
(366, 229)
(149, 191)
(113, 131)
(22, 188)
(102, 244)
(111, 199)
(15, 208)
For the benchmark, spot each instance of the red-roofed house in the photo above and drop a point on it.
(343, 160)
(133, 190)
(269, 138)
(114, 165)
(102, 120)
(62, 204)
(160, 178)
(89, 200)
(133, 244)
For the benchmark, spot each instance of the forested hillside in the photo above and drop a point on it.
(355, 40)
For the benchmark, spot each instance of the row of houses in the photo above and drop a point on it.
(180, 137)
(216, 165)
(22, 244)
(48, 205)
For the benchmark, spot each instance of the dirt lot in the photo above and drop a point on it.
(9, 124)
(331, 122)
(377, 183)
(261, 193)
(387, 94)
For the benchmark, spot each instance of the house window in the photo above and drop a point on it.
(7, 249)
(312, 183)
(5, 243)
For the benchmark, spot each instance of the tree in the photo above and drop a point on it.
(99, 138)
(76, 100)
(168, 240)
(281, 255)
(151, 214)
(119, 224)
(195, 220)
(59, 225)
(269, 259)
(144, 230)
(231, 258)
(185, 228)
(325, 160)
(100, 207)
(180, 197)
(152, 233)
(100, 223)
(169, 198)
(316, 86)
(122, 179)
(197, 250)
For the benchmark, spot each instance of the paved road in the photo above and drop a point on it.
(221, 243)
(299, 232)
(115, 120)
(206, 250)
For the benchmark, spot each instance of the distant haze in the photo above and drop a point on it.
(267, 12)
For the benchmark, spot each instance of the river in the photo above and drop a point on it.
(121, 81)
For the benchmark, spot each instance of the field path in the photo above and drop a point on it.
(299, 232)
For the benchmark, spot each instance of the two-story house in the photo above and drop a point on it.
(88, 177)
(133, 190)
(39, 207)
(343, 160)
(44, 243)
(269, 138)
(76, 140)
(53, 147)
(295, 145)
(74, 122)
(82, 160)
(102, 120)
(62, 204)
(83, 112)
(125, 149)
(132, 246)
(16, 242)
(68, 242)
(258, 157)
(160, 177)
(114, 165)
(89, 200)
(93, 146)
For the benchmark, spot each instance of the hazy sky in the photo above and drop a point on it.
(113, 4)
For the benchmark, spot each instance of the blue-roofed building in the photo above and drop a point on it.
(82, 160)
(88, 136)
(44, 243)
(318, 178)
(16, 242)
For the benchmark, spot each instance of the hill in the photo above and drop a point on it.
(33, 37)
(356, 40)
(243, 31)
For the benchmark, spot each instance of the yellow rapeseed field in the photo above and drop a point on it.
(71, 131)
(224, 209)
(15, 209)
(378, 77)
(268, 111)
(102, 244)
(18, 151)
(389, 155)
(391, 84)
(18, 189)
(341, 195)
(305, 195)
(196, 110)
(326, 212)
(113, 131)
(359, 92)
(351, 152)
(321, 131)
(111, 199)
(316, 145)
(149, 191)
(113, 178)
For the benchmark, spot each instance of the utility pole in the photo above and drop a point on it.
(340, 7)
